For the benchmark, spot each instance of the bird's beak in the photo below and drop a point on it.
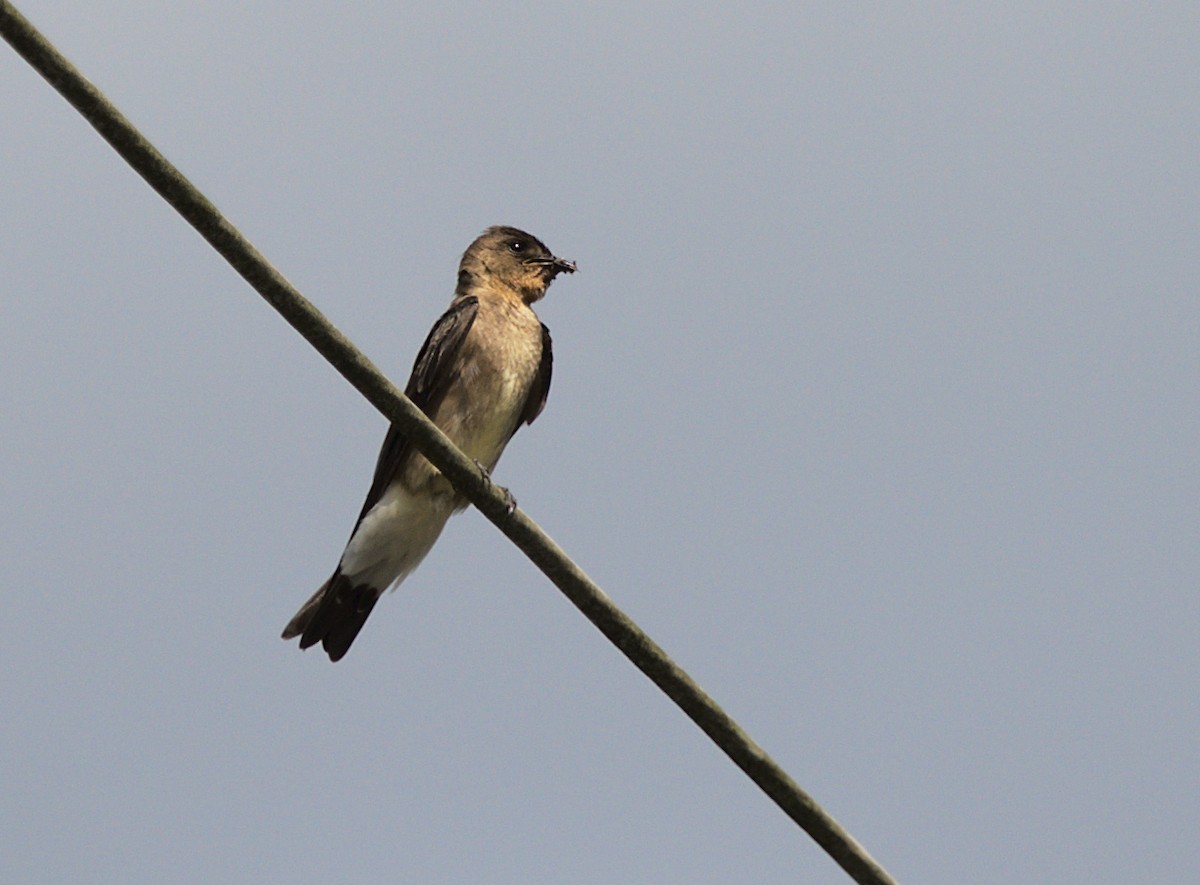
(561, 265)
(554, 266)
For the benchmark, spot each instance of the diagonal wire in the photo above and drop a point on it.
(645, 654)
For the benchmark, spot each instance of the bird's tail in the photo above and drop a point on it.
(334, 615)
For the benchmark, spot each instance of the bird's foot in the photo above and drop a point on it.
(510, 502)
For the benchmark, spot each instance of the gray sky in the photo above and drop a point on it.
(875, 403)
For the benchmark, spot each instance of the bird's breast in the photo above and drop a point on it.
(500, 359)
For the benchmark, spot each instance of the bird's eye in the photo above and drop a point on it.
(516, 247)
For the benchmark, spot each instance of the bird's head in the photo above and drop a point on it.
(513, 259)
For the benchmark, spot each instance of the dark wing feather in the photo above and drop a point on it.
(426, 386)
(540, 389)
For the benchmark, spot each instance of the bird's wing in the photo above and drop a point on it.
(540, 389)
(426, 386)
(338, 610)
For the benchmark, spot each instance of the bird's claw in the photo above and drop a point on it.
(510, 502)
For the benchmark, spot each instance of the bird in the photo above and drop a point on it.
(482, 373)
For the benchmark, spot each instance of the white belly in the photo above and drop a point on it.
(394, 536)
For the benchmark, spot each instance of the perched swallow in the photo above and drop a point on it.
(483, 371)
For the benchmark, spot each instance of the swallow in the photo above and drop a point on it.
(483, 372)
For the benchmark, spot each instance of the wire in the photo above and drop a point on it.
(466, 476)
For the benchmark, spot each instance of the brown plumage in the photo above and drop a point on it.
(483, 371)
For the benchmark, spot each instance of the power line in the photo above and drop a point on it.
(467, 478)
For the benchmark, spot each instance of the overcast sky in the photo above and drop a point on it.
(875, 403)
